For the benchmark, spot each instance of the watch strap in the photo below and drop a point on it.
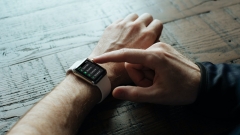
(105, 87)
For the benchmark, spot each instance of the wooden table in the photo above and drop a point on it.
(40, 39)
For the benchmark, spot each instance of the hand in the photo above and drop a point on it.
(130, 32)
(162, 75)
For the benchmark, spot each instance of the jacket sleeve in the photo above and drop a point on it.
(219, 91)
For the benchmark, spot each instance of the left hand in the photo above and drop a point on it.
(130, 32)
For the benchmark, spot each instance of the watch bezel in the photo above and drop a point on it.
(84, 77)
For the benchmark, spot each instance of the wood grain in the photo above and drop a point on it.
(40, 39)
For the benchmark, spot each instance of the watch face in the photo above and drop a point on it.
(91, 71)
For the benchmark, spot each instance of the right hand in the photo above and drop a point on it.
(161, 73)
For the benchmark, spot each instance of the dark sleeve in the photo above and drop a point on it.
(219, 92)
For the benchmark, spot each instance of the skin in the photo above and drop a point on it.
(162, 75)
(63, 110)
(130, 32)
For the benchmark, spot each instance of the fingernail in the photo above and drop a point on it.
(94, 59)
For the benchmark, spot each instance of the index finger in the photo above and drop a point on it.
(134, 56)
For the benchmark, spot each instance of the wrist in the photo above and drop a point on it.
(93, 74)
(65, 107)
(82, 89)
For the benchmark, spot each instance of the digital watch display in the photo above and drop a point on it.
(91, 71)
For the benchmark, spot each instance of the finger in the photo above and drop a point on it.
(156, 26)
(131, 17)
(139, 75)
(145, 18)
(132, 93)
(134, 56)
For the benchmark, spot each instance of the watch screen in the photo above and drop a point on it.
(91, 71)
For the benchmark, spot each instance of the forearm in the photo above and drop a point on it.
(61, 111)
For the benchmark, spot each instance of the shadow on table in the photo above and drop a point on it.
(118, 117)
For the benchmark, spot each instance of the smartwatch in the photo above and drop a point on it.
(93, 74)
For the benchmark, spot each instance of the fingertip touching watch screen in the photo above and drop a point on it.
(91, 71)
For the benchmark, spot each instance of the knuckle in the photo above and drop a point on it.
(151, 58)
(158, 22)
(158, 55)
(134, 15)
(148, 15)
(162, 45)
(163, 56)
(161, 53)
(148, 35)
(134, 25)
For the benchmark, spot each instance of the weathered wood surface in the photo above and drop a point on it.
(40, 39)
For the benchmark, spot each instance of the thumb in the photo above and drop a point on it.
(132, 93)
